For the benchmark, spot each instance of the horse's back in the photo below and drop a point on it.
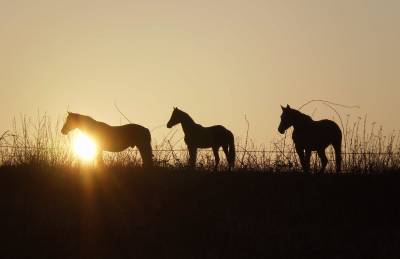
(205, 137)
(219, 130)
(318, 134)
(330, 127)
(137, 130)
(135, 127)
(130, 133)
(327, 131)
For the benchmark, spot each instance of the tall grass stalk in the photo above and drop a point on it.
(366, 148)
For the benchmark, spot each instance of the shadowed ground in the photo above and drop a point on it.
(49, 213)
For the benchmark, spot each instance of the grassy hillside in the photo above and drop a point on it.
(54, 212)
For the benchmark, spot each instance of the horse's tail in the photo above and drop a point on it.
(337, 145)
(231, 151)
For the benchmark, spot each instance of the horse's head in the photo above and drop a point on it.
(286, 119)
(71, 123)
(175, 118)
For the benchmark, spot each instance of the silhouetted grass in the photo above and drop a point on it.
(38, 141)
(34, 141)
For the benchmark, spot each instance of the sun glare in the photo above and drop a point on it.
(84, 146)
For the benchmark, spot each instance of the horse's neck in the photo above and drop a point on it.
(302, 122)
(90, 126)
(188, 124)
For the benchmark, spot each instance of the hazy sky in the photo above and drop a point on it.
(217, 60)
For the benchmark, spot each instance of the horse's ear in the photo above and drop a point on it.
(288, 106)
(283, 108)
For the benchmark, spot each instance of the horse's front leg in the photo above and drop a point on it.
(192, 156)
(300, 153)
(216, 155)
(99, 158)
(307, 157)
(324, 160)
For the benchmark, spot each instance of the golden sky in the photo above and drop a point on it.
(217, 60)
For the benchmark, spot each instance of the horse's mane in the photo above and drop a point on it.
(81, 116)
(88, 119)
(187, 116)
(301, 115)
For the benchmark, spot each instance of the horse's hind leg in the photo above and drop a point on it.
(216, 155)
(147, 154)
(338, 155)
(226, 151)
(324, 159)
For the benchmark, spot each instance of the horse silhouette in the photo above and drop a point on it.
(309, 135)
(112, 138)
(197, 136)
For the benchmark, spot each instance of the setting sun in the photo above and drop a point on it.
(84, 146)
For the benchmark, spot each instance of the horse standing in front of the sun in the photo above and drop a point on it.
(309, 135)
(197, 136)
(112, 138)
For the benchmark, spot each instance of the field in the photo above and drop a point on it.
(54, 206)
(127, 212)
